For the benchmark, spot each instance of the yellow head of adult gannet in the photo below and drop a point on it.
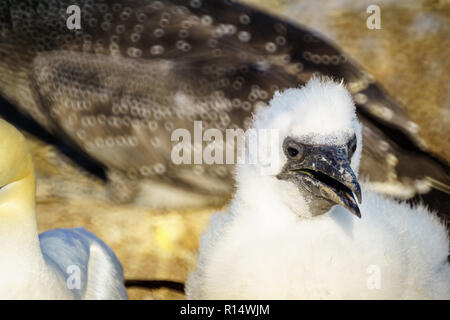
(17, 180)
(39, 267)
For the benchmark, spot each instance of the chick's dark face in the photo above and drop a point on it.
(323, 174)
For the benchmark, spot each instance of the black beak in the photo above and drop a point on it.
(325, 172)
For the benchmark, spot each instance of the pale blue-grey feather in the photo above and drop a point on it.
(63, 248)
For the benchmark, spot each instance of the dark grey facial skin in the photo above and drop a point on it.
(323, 174)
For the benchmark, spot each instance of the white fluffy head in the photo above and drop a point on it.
(322, 108)
(321, 112)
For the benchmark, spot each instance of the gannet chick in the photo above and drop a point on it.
(298, 233)
(59, 264)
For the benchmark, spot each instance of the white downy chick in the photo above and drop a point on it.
(298, 232)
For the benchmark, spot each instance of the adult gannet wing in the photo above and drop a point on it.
(394, 166)
(137, 70)
(89, 267)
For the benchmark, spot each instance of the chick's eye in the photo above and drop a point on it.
(352, 147)
(293, 149)
(293, 152)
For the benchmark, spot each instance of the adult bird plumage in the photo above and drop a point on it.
(297, 232)
(60, 263)
(136, 70)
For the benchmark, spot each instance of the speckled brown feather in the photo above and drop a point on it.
(139, 69)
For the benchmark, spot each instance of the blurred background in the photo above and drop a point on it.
(409, 57)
